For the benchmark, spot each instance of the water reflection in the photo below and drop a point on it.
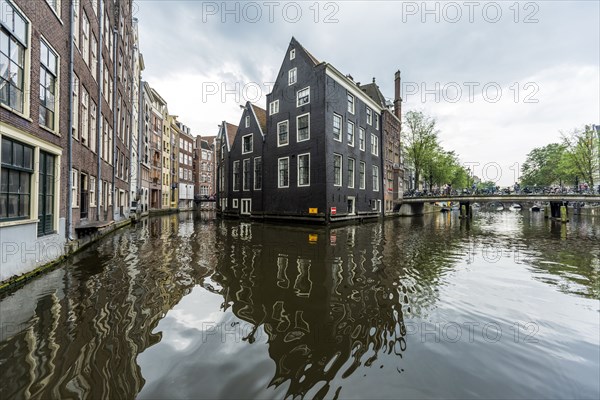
(325, 305)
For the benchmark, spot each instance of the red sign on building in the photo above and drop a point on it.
(333, 210)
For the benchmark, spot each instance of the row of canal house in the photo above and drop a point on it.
(80, 145)
(325, 149)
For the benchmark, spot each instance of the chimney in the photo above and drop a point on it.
(397, 98)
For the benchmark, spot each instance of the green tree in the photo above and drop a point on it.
(421, 141)
(581, 153)
(545, 166)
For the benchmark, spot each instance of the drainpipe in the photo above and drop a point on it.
(115, 122)
(69, 221)
(99, 119)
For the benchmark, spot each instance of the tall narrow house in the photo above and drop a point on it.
(321, 155)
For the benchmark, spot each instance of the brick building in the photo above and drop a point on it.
(186, 184)
(204, 166)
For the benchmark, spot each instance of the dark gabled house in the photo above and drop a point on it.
(224, 140)
(322, 153)
(245, 162)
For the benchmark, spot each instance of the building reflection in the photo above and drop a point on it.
(323, 296)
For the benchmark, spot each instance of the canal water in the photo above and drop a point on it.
(186, 306)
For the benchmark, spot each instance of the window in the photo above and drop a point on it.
(351, 163)
(92, 191)
(374, 145)
(85, 39)
(246, 207)
(85, 114)
(13, 42)
(274, 107)
(369, 116)
(247, 144)
(48, 74)
(377, 121)
(76, 22)
(303, 97)
(247, 123)
(375, 178)
(258, 173)
(236, 175)
(94, 61)
(75, 188)
(337, 127)
(282, 133)
(350, 134)
(93, 130)
(361, 139)
(75, 109)
(46, 194)
(292, 76)
(350, 103)
(246, 177)
(302, 127)
(234, 203)
(361, 175)
(337, 170)
(283, 172)
(292, 54)
(16, 172)
(304, 170)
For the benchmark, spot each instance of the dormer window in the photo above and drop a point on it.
(292, 54)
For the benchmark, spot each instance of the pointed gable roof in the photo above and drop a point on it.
(312, 58)
(372, 90)
(230, 133)
(260, 114)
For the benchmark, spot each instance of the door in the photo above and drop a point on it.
(351, 208)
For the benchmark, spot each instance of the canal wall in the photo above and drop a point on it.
(42, 257)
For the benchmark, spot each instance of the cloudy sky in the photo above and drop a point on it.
(500, 77)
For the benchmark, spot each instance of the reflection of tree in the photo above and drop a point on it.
(326, 309)
(85, 332)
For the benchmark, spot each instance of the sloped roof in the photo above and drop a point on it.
(314, 59)
(372, 90)
(261, 116)
(231, 131)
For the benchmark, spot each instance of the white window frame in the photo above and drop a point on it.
(292, 54)
(297, 126)
(92, 191)
(246, 204)
(298, 170)
(233, 175)
(298, 96)
(274, 107)
(369, 116)
(339, 139)
(287, 122)
(351, 104)
(234, 203)
(374, 145)
(247, 121)
(351, 161)
(251, 143)
(341, 173)
(361, 138)
(292, 73)
(374, 169)
(75, 188)
(351, 124)
(279, 185)
(362, 179)
(376, 121)
(248, 162)
(255, 174)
